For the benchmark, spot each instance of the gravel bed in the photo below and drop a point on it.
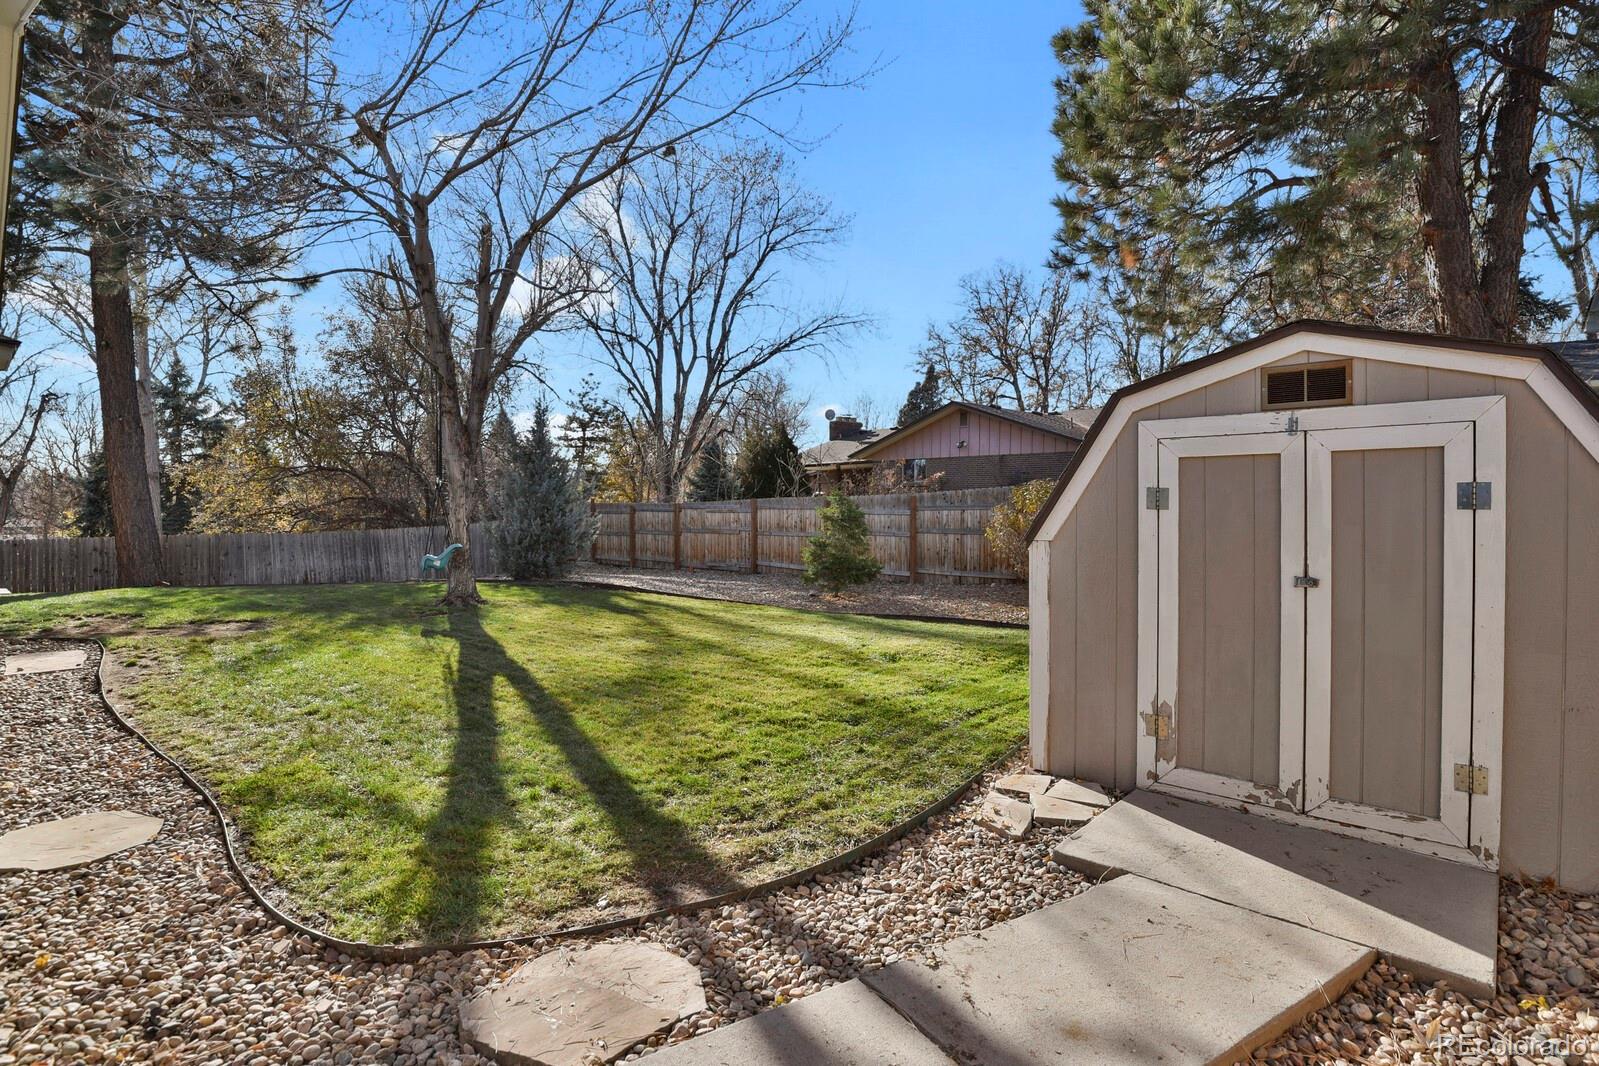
(1002, 602)
(157, 955)
(1547, 1010)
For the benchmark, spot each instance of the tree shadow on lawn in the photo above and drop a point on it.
(666, 859)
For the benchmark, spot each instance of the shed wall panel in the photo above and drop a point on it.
(1551, 714)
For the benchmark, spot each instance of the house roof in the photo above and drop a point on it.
(1561, 369)
(840, 452)
(1583, 357)
(1070, 424)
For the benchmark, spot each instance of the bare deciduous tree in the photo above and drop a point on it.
(694, 248)
(470, 168)
(1031, 346)
(26, 400)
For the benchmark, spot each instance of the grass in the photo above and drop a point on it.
(411, 773)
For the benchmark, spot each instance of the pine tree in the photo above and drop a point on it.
(925, 397)
(191, 427)
(769, 464)
(841, 554)
(92, 517)
(499, 455)
(544, 522)
(713, 477)
(1305, 158)
(586, 428)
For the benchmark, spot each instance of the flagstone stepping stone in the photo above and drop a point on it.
(1023, 784)
(845, 1025)
(1078, 792)
(46, 662)
(574, 1005)
(64, 842)
(1048, 810)
(1012, 817)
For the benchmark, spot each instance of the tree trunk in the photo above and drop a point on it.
(460, 502)
(147, 412)
(132, 511)
(1510, 164)
(1446, 208)
(8, 490)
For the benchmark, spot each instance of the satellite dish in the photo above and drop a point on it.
(829, 414)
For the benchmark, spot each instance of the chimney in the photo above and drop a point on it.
(845, 427)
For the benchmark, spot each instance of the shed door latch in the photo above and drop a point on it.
(1470, 779)
(1157, 499)
(1305, 581)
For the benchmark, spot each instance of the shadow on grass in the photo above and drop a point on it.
(458, 856)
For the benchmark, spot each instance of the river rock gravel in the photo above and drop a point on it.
(1547, 1010)
(157, 955)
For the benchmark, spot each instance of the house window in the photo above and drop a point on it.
(963, 418)
(915, 469)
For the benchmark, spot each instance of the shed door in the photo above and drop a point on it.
(1310, 602)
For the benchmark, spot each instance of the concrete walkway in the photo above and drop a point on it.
(1215, 932)
(1130, 972)
(1437, 919)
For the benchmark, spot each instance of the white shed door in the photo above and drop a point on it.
(1318, 616)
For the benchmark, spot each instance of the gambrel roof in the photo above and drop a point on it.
(1549, 375)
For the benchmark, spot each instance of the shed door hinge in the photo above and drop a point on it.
(1157, 725)
(1470, 779)
(1157, 499)
(1474, 495)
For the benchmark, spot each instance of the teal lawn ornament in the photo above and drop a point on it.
(440, 562)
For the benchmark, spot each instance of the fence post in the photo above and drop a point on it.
(632, 535)
(677, 535)
(911, 559)
(755, 537)
(594, 537)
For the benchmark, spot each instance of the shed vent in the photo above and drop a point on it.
(1312, 385)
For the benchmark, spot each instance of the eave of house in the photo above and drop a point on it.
(1062, 431)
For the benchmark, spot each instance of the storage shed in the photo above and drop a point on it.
(1338, 576)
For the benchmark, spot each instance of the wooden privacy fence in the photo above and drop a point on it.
(918, 536)
(81, 564)
(929, 536)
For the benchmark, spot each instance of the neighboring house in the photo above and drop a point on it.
(959, 446)
(833, 464)
(1584, 359)
(1337, 576)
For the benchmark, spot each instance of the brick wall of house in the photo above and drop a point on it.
(983, 471)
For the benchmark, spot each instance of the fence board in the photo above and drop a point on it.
(947, 540)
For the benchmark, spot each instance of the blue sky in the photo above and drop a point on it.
(942, 158)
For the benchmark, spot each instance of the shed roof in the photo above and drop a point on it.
(1081, 460)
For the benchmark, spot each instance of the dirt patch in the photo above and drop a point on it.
(122, 627)
(999, 602)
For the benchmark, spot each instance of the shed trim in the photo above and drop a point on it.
(1549, 376)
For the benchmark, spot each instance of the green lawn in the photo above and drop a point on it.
(407, 772)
